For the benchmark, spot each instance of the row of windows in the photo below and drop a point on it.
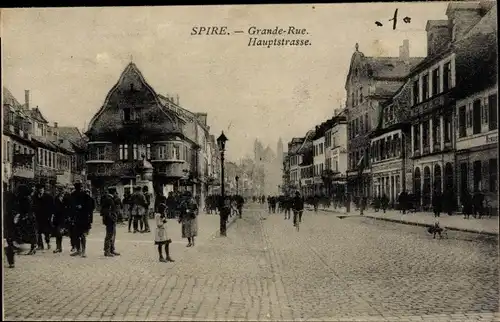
(318, 149)
(294, 160)
(331, 165)
(53, 160)
(307, 172)
(167, 151)
(10, 149)
(318, 169)
(355, 158)
(478, 115)
(359, 125)
(479, 172)
(357, 96)
(436, 127)
(386, 148)
(425, 87)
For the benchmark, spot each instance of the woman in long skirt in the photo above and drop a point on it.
(188, 218)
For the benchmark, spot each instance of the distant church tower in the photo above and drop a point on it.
(279, 151)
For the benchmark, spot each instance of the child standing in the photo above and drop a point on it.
(161, 233)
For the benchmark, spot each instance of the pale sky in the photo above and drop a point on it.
(69, 58)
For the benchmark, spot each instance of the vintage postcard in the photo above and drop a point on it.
(278, 162)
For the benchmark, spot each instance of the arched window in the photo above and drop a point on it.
(437, 178)
(416, 185)
(426, 193)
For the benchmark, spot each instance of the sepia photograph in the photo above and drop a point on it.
(264, 162)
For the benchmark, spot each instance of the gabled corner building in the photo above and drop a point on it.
(139, 137)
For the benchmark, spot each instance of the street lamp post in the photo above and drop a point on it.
(237, 187)
(221, 142)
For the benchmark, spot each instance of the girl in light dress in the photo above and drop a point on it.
(161, 238)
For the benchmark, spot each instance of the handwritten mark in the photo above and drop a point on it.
(394, 20)
(238, 32)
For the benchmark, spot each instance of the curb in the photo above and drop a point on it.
(429, 225)
(418, 224)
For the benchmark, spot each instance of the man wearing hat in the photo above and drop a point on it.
(109, 214)
(43, 207)
(138, 206)
(59, 216)
(81, 212)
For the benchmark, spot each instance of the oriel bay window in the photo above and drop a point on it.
(172, 151)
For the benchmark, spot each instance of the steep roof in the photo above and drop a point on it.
(9, 99)
(72, 134)
(131, 68)
(390, 67)
(37, 115)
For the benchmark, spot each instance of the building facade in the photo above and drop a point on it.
(139, 137)
(33, 152)
(370, 81)
(451, 72)
(390, 148)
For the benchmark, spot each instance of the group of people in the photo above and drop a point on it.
(32, 215)
(213, 204)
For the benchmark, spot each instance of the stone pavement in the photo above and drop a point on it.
(488, 226)
(333, 269)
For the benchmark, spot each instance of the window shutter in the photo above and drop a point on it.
(484, 113)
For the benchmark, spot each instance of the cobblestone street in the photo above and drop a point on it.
(332, 269)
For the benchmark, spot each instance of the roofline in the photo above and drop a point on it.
(113, 89)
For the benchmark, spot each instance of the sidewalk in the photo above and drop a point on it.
(488, 226)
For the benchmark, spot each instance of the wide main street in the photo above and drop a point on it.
(332, 269)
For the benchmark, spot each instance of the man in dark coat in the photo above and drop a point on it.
(9, 225)
(43, 206)
(171, 205)
(81, 208)
(297, 207)
(109, 209)
(138, 207)
(59, 217)
(437, 203)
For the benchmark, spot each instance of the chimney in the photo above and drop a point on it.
(462, 16)
(27, 98)
(438, 35)
(55, 125)
(404, 50)
(177, 99)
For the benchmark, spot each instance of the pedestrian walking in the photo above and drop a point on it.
(9, 226)
(81, 211)
(437, 203)
(43, 204)
(148, 210)
(59, 217)
(188, 218)
(298, 208)
(161, 236)
(23, 210)
(138, 207)
(109, 213)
